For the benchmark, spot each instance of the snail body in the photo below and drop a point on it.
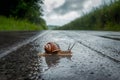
(51, 48)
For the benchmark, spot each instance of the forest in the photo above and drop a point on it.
(104, 17)
(21, 12)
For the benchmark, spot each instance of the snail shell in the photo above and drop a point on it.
(51, 47)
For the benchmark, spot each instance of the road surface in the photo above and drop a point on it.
(95, 56)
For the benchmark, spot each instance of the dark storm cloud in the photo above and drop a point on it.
(70, 5)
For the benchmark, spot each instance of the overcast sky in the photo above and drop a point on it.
(60, 12)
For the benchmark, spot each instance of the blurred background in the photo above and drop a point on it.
(60, 15)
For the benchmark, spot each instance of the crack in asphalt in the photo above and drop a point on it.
(100, 53)
(118, 39)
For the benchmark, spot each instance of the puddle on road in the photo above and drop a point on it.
(54, 66)
(52, 61)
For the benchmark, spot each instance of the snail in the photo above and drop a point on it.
(52, 48)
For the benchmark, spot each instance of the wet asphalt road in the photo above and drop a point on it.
(95, 56)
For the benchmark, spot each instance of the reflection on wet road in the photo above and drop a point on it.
(94, 57)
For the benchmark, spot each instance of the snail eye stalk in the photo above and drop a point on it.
(70, 48)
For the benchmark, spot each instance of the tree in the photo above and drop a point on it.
(29, 9)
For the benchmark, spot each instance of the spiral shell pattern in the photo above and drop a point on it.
(51, 47)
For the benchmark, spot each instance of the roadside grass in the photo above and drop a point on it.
(12, 24)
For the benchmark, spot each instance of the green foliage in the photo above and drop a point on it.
(106, 17)
(30, 10)
(11, 24)
(21, 8)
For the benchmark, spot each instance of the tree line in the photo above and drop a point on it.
(105, 17)
(23, 9)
